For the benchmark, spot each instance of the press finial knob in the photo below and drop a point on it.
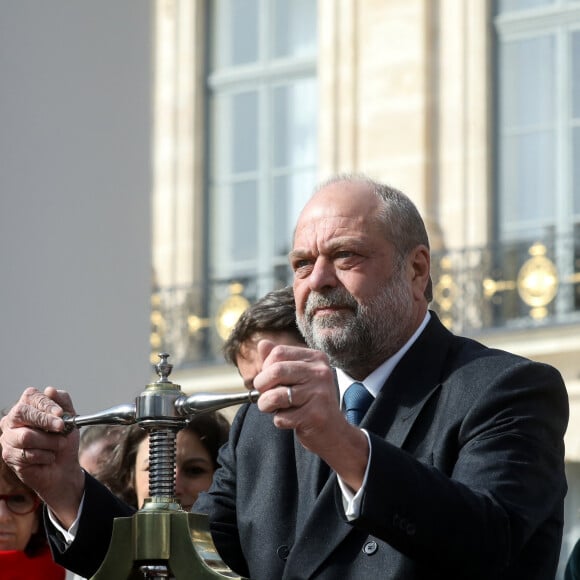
(163, 368)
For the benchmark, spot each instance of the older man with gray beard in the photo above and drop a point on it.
(456, 470)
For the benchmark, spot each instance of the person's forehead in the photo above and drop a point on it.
(190, 448)
(348, 199)
(188, 439)
(247, 359)
(336, 212)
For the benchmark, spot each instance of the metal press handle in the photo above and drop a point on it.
(184, 406)
(206, 402)
(161, 405)
(118, 415)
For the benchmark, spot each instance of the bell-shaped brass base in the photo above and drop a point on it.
(161, 534)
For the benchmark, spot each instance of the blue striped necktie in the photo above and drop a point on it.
(356, 401)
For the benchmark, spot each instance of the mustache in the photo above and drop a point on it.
(335, 298)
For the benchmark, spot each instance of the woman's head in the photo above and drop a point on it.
(20, 527)
(197, 445)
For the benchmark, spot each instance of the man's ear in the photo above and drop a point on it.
(420, 261)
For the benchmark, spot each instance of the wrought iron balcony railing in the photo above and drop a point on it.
(505, 286)
(522, 284)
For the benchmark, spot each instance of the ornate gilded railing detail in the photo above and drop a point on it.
(230, 310)
(193, 321)
(446, 291)
(492, 287)
(538, 281)
(507, 285)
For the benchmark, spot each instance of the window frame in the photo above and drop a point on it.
(263, 76)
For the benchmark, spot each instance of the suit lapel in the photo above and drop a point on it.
(323, 530)
(313, 474)
(391, 416)
(411, 384)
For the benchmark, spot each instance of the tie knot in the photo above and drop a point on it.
(356, 402)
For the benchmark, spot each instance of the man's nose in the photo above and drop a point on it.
(323, 274)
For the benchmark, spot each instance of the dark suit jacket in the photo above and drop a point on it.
(466, 479)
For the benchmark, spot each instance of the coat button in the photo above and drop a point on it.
(283, 552)
(370, 548)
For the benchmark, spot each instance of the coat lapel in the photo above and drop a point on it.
(412, 383)
(313, 474)
(391, 416)
(323, 530)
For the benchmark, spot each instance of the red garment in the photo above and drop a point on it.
(16, 565)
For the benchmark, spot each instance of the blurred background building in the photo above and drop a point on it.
(158, 155)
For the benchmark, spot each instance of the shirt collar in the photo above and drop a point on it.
(375, 381)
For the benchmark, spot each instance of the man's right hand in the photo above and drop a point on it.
(44, 458)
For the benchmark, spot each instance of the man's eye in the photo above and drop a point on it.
(301, 264)
(343, 255)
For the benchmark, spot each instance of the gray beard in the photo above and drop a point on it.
(363, 336)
